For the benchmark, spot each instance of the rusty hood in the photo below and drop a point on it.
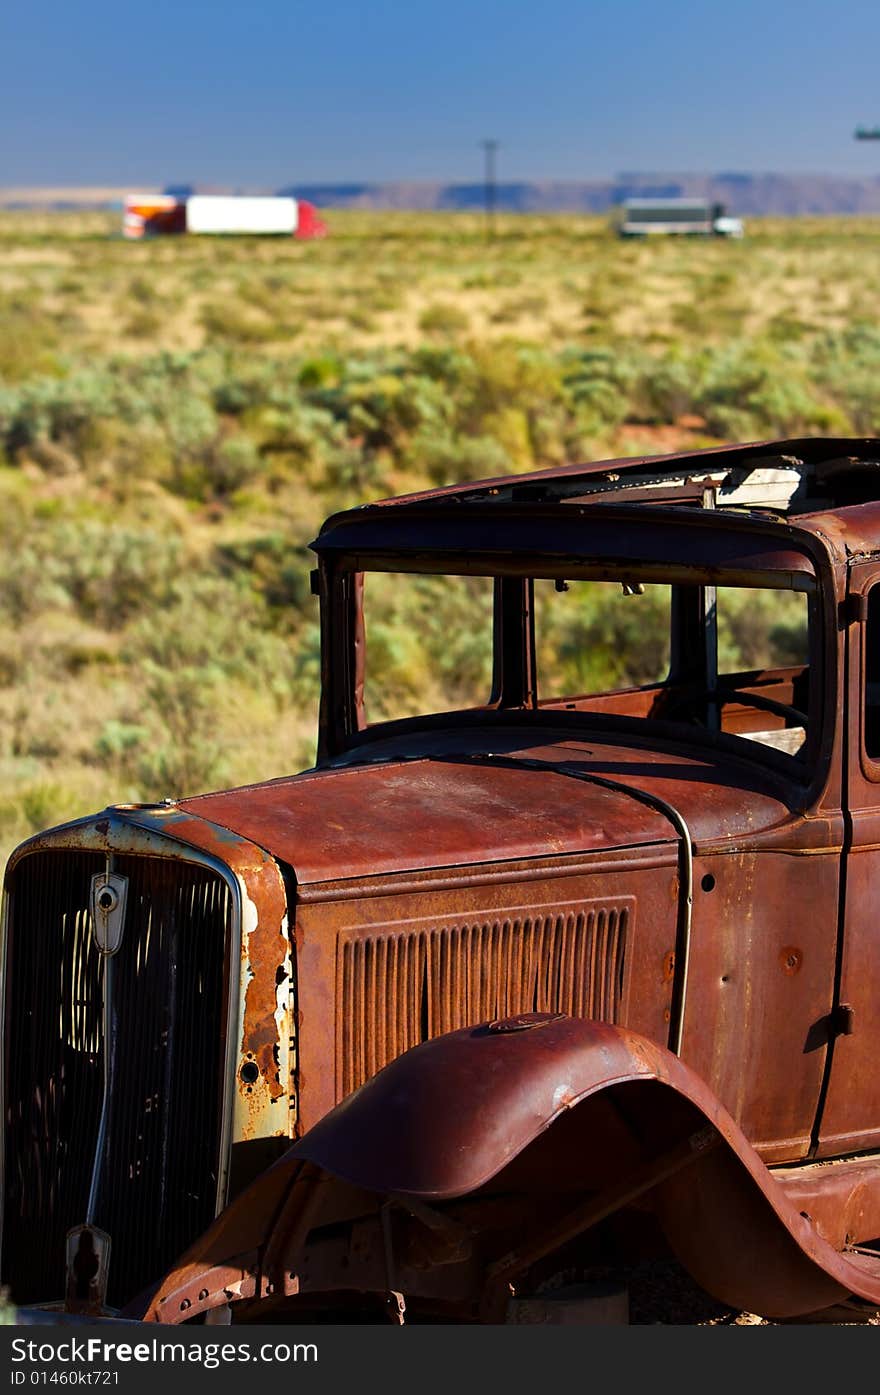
(384, 813)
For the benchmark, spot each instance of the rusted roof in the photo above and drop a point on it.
(625, 537)
(825, 486)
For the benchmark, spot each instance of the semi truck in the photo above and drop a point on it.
(148, 215)
(687, 217)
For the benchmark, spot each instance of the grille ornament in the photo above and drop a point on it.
(107, 900)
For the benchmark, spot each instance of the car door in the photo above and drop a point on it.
(850, 1119)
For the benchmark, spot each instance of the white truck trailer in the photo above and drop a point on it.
(148, 215)
(687, 217)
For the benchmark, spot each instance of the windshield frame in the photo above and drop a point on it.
(512, 542)
(515, 694)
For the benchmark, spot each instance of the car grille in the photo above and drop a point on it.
(398, 988)
(159, 1180)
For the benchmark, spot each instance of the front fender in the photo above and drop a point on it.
(447, 1116)
(538, 1106)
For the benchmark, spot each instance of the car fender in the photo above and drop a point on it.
(546, 1100)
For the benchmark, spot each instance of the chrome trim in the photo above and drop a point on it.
(109, 1030)
(109, 1027)
(233, 1006)
(108, 895)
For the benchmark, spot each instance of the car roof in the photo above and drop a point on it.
(828, 487)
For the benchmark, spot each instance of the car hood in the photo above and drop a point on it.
(456, 804)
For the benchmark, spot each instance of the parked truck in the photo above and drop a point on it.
(150, 215)
(677, 217)
(563, 978)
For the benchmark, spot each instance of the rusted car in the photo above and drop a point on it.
(557, 980)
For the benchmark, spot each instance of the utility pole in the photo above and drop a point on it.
(490, 147)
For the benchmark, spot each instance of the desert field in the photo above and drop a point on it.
(177, 417)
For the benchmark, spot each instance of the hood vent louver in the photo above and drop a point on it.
(400, 987)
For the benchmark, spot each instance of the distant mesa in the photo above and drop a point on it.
(326, 194)
(744, 194)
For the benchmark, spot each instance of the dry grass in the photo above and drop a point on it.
(377, 279)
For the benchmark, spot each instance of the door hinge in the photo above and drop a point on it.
(840, 1020)
(853, 609)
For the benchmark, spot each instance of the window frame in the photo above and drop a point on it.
(342, 724)
(870, 764)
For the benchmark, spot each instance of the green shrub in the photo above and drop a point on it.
(444, 319)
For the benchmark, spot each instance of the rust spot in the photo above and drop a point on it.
(791, 959)
(668, 966)
(260, 1034)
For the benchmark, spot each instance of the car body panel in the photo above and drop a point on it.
(522, 1106)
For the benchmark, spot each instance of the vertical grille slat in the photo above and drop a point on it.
(399, 987)
(159, 1178)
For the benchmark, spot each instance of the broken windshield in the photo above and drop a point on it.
(699, 657)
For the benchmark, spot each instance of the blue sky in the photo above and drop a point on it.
(265, 93)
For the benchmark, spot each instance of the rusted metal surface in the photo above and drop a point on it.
(841, 1198)
(447, 1117)
(480, 1114)
(851, 1115)
(353, 825)
(488, 949)
(625, 540)
(399, 988)
(364, 819)
(810, 449)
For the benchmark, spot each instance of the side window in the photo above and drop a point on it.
(872, 675)
(764, 659)
(761, 630)
(428, 643)
(594, 637)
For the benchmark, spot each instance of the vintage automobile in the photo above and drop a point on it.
(491, 996)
